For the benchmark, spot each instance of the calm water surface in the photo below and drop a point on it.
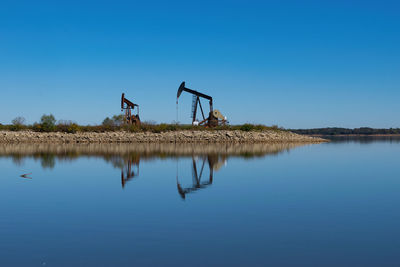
(333, 204)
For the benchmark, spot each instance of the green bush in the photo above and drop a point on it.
(73, 128)
(16, 127)
(108, 122)
(67, 127)
(247, 127)
(118, 120)
(132, 128)
(37, 127)
(48, 123)
(5, 127)
(18, 124)
(146, 126)
(163, 127)
(222, 127)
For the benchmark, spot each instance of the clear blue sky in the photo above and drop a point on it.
(297, 64)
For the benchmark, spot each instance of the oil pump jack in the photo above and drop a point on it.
(214, 118)
(129, 107)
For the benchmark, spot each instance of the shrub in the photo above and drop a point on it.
(258, 127)
(37, 127)
(171, 127)
(163, 127)
(146, 126)
(68, 127)
(48, 123)
(16, 127)
(115, 123)
(132, 128)
(73, 128)
(246, 127)
(222, 127)
(17, 124)
(18, 121)
(108, 122)
(5, 127)
(118, 120)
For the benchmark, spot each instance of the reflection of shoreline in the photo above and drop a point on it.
(146, 151)
(119, 154)
(127, 158)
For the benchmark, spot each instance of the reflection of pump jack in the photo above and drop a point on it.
(213, 164)
(130, 170)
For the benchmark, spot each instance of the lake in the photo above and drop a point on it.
(330, 204)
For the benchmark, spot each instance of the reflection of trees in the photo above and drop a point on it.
(126, 157)
(363, 139)
(48, 161)
(206, 159)
(18, 160)
(115, 152)
(334, 131)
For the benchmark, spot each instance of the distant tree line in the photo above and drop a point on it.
(346, 131)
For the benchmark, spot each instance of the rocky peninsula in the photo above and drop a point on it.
(202, 136)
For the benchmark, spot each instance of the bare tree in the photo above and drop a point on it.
(18, 121)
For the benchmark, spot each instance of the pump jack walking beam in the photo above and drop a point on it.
(198, 94)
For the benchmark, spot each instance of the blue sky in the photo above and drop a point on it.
(297, 64)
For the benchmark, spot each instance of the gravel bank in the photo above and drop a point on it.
(165, 137)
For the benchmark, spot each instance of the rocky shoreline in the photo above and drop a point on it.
(222, 136)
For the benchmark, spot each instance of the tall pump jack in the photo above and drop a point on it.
(129, 106)
(215, 117)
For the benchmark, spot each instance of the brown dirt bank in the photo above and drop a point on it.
(222, 136)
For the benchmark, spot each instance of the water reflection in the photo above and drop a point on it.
(205, 159)
(214, 163)
(363, 139)
(130, 169)
(18, 152)
(331, 203)
(26, 175)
